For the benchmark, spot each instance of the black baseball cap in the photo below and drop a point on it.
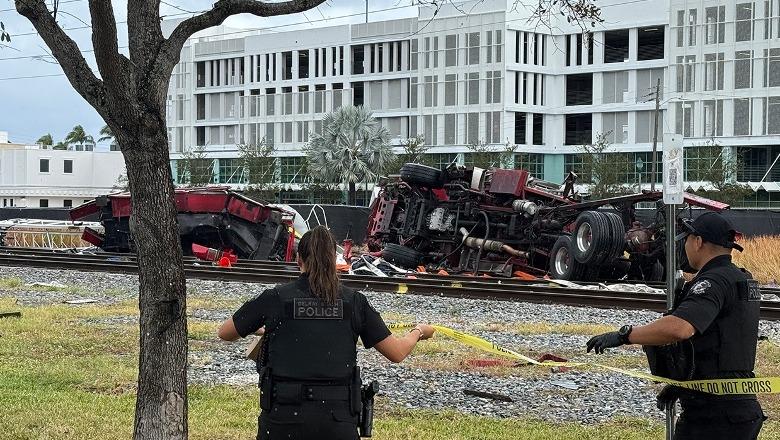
(713, 228)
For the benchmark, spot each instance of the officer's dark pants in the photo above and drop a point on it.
(716, 420)
(315, 420)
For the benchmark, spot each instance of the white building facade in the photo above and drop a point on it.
(492, 78)
(33, 177)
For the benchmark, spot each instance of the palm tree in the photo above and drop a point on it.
(45, 140)
(79, 136)
(107, 135)
(60, 146)
(351, 148)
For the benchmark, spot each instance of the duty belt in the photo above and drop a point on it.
(297, 392)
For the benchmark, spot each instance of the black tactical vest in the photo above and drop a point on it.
(727, 349)
(312, 340)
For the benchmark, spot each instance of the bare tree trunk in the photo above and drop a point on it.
(161, 405)
(352, 194)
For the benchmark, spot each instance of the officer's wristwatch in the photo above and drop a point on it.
(624, 332)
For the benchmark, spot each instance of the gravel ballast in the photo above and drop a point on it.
(574, 395)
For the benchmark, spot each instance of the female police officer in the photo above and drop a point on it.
(310, 384)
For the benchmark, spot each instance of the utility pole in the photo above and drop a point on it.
(655, 132)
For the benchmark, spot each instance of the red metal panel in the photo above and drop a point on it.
(509, 182)
(92, 236)
(245, 209)
(120, 205)
(84, 210)
(201, 201)
(703, 202)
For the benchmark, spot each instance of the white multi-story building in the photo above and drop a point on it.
(32, 176)
(492, 77)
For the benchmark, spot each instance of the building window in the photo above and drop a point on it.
(472, 128)
(450, 50)
(67, 203)
(743, 119)
(43, 203)
(771, 19)
(713, 118)
(616, 87)
(772, 114)
(615, 127)
(645, 121)
(772, 67)
(442, 160)
(538, 129)
(744, 23)
(450, 89)
(472, 86)
(414, 56)
(520, 128)
(579, 129)
(575, 163)
(431, 85)
(358, 55)
(493, 87)
(686, 73)
(303, 64)
(430, 123)
(43, 165)
(473, 45)
(67, 166)
(531, 162)
(715, 29)
(291, 169)
(493, 127)
(713, 71)
(684, 118)
(230, 171)
(616, 46)
(698, 161)
(450, 129)
(650, 43)
(579, 89)
(646, 82)
(743, 69)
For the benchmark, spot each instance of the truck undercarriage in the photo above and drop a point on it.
(501, 221)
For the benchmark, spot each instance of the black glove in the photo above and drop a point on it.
(668, 394)
(607, 340)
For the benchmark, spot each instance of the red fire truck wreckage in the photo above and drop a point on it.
(504, 221)
(214, 223)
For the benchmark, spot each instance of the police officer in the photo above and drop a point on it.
(310, 383)
(717, 312)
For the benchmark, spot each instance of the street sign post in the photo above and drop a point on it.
(673, 189)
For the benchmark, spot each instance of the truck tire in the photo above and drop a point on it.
(417, 174)
(563, 265)
(590, 241)
(402, 256)
(617, 236)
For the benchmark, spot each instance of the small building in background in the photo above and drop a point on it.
(33, 176)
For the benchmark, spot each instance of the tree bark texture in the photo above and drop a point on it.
(130, 96)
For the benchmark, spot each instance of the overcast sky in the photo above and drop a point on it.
(32, 107)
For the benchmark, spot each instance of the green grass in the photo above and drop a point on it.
(62, 376)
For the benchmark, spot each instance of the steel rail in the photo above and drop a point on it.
(280, 265)
(479, 288)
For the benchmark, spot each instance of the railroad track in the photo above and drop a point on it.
(452, 286)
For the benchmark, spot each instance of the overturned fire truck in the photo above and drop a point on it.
(501, 221)
(213, 218)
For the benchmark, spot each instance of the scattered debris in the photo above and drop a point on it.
(568, 384)
(10, 314)
(80, 301)
(52, 285)
(487, 395)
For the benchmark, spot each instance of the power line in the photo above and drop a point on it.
(62, 2)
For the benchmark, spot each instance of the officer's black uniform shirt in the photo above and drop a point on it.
(723, 309)
(706, 297)
(367, 322)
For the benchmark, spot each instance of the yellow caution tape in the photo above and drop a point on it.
(758, 385)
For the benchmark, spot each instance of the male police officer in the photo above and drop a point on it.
(717, 312)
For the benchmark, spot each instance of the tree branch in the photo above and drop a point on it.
(113, 66)
(67, 53)
(144, 33)
(224, 9)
